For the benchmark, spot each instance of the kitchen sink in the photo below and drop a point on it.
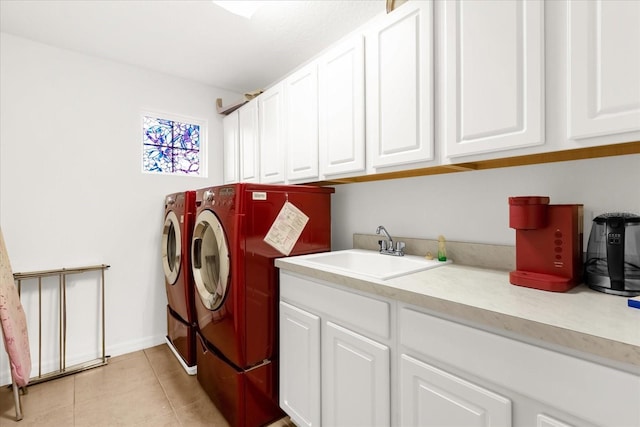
(372, 263)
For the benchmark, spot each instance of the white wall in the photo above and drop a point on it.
(473, 206)
(71, 188)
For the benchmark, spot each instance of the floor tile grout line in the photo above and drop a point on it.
(74, 400)
(164, 390)
(160, 364)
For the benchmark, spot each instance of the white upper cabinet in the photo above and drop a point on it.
(230, 148)
(603, 51)
(493, 76)
(249, 142)
(272, 147)
(399, 86)
(301, 104)
(341, 109)
(513, 77)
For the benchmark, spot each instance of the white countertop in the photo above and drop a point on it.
(581, 320)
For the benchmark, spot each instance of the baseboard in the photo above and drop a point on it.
(134, 345)
(53, 365)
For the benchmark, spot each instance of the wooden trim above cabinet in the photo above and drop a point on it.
(531, 159)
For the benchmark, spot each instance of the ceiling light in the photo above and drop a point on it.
(244, 8)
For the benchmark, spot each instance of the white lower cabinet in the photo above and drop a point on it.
(543, 420)
(350, 358)
(476, 373)
(431, 397)
(300, 365)
(355, 379)
(335, 366)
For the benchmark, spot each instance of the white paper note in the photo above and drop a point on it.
(287, 228)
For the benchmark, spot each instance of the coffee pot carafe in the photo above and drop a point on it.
(613, 254)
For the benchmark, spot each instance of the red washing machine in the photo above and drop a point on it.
(237, 287)
(179, 215)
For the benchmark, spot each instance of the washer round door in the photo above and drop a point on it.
(171, 248)
(210, 260)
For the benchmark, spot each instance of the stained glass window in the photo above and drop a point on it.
(171, 146)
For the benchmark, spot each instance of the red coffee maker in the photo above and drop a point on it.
(548, 243)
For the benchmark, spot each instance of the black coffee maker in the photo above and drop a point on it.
(613, 254)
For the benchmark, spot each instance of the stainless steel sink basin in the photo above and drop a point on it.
(372, 263)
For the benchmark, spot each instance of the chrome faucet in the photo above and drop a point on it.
(387, 246)
(386, 233)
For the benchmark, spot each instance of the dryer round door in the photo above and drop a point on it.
(210, 260)
(171, 248)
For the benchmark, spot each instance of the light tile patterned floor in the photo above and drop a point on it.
(145, 388)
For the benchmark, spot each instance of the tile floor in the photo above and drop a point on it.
(145, 388)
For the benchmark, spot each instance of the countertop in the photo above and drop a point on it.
(581, 321)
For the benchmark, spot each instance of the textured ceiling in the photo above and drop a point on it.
(196, 40)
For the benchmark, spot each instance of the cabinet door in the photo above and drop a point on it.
(300, 365)
(543, 420)
(230, 148)
(494, 75)
(272, 153)
(431, 397)
(399, 69)
(249, 142)
(341, 109)
(604, 67)
(301, 94)
(355, 379)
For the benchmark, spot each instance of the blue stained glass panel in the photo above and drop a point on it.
(158, 131)
(171, 147)
(186, 136)
(158, 159)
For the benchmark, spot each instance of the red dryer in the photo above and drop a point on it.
(237, 288)
(179, 214)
